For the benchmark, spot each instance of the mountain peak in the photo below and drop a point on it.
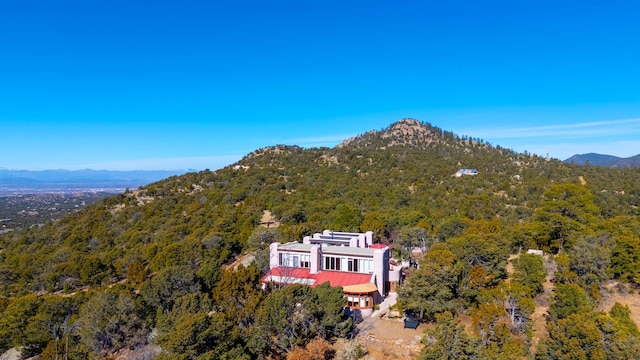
(405, 132)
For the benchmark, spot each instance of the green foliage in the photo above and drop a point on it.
(238, 296)
(451, 227)
(164, 245)
(475, 281)
(262, 237)
(575, 336)
(478, 249)
(625, 254)
(569, 299)
(186, 305)
(331, 301)
(136, 273)
(486, 318)
(590, 261)
(502, 319)
(210, 269)
(530, 272)
(19, 325)
(408, 238)
(565, 212)
(346, 218)
(590, 335)
(375, 221)
(293, 315)
(564, 275)
(430, 289)
(622, 315)
(113, 320)
(173, 282)
(449, 340)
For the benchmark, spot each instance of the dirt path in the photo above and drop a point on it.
(509, 267)
(538, 318)
(244, 260)
(542, 305)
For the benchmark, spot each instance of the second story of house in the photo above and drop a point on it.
(335, 258)
(339, 238)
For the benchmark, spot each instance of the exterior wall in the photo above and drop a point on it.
(394, 273)
(316, 259)
(273, 255)
(381, 270)
(368, 240)
(361, 240)
(395, 277)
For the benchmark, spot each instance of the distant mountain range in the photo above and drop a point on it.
(62, 181)
(605, 160)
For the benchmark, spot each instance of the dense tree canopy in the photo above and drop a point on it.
(155, 257)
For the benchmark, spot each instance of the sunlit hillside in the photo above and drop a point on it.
(145, 270)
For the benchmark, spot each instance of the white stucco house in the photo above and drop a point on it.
(346, 259)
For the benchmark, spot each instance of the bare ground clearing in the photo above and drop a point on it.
(388, 339)
(616, 292)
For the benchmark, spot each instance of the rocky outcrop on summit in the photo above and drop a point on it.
(406, 132)
(409, 133)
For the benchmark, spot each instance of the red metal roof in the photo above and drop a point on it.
(378, 246)
(335, 278)
(341, 278)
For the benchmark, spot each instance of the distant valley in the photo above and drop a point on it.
(13, 182)
(22, 211)
(32, 198)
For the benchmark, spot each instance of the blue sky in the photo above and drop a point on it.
(198, 84)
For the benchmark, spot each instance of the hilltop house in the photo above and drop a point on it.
(461, 172)
(345, 259)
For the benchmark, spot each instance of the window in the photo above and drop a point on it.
(364, 266)
(361, 301)
(294, 260)
(305, 261)
(332, 263)
(353, 265)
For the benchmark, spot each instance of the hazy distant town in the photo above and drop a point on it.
(31, 198)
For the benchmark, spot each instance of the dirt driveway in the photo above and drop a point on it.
(388, 339)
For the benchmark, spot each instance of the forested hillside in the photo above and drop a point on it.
(146, 267)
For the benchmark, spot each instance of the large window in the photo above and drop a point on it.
(360, 301)
(294, 260)
(332, 263)
(364, 266)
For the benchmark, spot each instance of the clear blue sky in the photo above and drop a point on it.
(110, 84)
